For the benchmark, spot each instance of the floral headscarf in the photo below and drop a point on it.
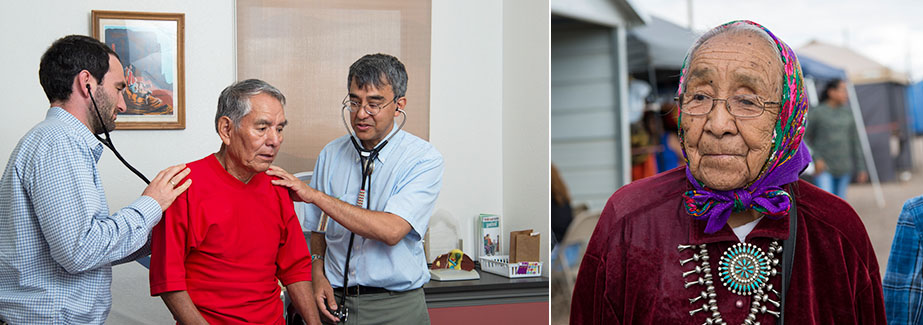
(788, 158)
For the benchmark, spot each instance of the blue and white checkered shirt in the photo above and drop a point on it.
(903, 283)
(57, 239)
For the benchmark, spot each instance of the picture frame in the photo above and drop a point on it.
(151, 48)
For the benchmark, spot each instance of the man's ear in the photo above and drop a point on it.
(225, 126)
(81, 81)
(401, 103)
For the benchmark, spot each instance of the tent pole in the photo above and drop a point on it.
(864, 141)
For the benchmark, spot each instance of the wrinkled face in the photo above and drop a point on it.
(726, 152)
(109, 97)
(253, 145)
(372, 129)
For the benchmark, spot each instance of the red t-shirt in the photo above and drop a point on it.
(227, 243)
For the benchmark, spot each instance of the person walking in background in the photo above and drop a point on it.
(831, 134)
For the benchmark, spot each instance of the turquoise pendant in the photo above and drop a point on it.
(743, 269)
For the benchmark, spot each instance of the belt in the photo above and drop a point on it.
(363, 290)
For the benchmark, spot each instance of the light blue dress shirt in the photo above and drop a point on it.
(57, 239)
(406, 182)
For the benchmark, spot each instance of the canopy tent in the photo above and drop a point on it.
(660, 44)
(915, 105)
(819, 70)
(881, 95)
(656, 52)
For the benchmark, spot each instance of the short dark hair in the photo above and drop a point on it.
(234, 101)
(833, 84)
(66, 57)
(372, 68)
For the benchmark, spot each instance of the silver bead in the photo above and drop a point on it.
(695, 257)
(704, 307)
(770, 289)
(765, 310)
(766, 298)
(703, 295)
(699, 281)
(698, 269)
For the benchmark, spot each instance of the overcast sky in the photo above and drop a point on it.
(889, 31)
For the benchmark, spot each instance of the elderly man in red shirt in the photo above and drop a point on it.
(220, 251)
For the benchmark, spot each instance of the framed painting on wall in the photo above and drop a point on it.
(150, 46)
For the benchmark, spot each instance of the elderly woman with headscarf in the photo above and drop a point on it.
(732, 237)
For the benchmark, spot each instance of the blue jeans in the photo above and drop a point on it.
(833, 184)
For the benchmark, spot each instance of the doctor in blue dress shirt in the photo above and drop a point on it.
(387, 267)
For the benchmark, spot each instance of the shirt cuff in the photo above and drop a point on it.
(301, 275)
(169, 286)
(149, 210)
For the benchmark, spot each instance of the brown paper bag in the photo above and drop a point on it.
(524, 247)
(527, 248)
(512, 242)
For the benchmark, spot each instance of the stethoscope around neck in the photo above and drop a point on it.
(108, 140)
(367, 163)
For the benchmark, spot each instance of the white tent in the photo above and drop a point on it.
(859, 69)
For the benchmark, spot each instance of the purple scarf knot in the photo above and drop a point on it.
(765, 195)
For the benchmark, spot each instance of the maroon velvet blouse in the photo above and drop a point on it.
(631, 272)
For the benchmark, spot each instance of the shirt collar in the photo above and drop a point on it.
(388, 149)
(65, 117)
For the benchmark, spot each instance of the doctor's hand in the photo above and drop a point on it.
(166, 186)
(323, 296)
(298, 190)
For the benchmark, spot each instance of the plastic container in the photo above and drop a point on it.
(499, 265)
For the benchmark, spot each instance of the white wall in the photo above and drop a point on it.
(526, 64)
(488, 116)
(466, 96)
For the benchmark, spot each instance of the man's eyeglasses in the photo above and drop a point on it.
(745, 106)
(371, 108)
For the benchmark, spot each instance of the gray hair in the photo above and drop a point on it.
(234, 101)
(372, 67)
(735, 29)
